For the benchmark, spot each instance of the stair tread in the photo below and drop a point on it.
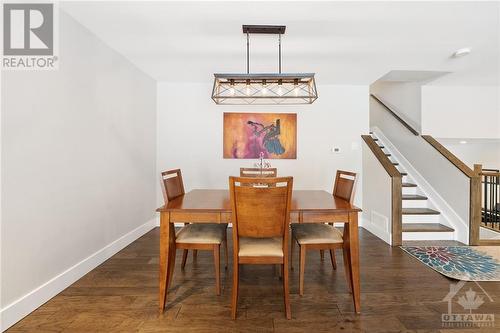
(395, 163)
(403, 173)
(420, 211)
(426, 227)
(381, 147)
(413, 197)
(409, 185)
(388, 155)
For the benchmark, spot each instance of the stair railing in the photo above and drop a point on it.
(396, 190)
(490, 203)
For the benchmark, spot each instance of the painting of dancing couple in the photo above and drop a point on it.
(247, 135)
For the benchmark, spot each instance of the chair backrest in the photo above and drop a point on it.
(345, 182)
(263, 210)
(172, 184)
(258, 173)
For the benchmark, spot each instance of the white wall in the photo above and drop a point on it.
(78, 165)
(461, 111)
(404, 98)
(486, 153)
(190, 136)
(377, 197)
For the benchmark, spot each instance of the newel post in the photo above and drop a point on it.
(475, 205)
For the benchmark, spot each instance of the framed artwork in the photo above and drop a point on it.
(247, 135)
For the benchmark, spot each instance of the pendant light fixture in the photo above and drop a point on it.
(264, 88)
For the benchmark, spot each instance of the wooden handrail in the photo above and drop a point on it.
(490, 174)
(395, 115)
(474, 176)
(449, 156)
(396, 190)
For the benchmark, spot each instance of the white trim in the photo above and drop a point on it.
(23, 306)
(416, 236)
(448, 216)
(376, 230)
(485, 233)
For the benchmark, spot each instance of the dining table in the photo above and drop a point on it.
(214, 206)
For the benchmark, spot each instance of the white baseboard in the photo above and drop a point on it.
(20, 308)
(485, 233)
(376, 230)
(427, 236)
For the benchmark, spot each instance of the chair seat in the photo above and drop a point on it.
(201, 233)
(260, 247)
(312, 233)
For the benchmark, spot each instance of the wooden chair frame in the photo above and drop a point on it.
(346, 194)
(246, 182)
(175, 175)
(258, 172)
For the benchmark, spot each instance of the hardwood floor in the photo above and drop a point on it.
(398, 295)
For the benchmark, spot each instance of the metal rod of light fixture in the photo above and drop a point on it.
(279, 53)
(248, 53)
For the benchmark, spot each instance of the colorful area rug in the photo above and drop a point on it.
(478, 263)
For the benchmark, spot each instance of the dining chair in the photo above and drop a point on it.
(316, 236)
(261, 218)
(196, 236)
(258, 172)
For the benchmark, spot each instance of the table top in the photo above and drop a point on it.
(218, 201)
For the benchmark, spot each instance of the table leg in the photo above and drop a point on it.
(354, 259)
(167, 239)
(347, 257)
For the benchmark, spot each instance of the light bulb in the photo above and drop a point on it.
(231, 91)
(280, 91)
(248, 90)
(264, 90)
(296, 91)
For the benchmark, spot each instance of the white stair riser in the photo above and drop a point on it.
(421, 219)
(428, 236)
(415, 203)
(410, 190)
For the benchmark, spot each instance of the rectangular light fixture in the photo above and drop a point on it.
(268, 89)
(264, 88)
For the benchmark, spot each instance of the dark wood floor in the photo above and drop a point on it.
(398, 295)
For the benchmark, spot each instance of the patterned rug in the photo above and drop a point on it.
(477, 263)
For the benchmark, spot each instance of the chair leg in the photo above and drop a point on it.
(302, 269)
(172, 266)
(332, 258)
(217, 268)
(286, 291)
(291, 253)
(195, 254)
(184, 258)
(234, 296)
(322, 254)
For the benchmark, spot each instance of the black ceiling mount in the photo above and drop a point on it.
(264, 29)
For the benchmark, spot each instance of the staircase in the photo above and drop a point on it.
(421, 221)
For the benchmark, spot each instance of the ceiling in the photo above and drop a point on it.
(343, 42)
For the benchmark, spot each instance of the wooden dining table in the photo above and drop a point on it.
(213, 206)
